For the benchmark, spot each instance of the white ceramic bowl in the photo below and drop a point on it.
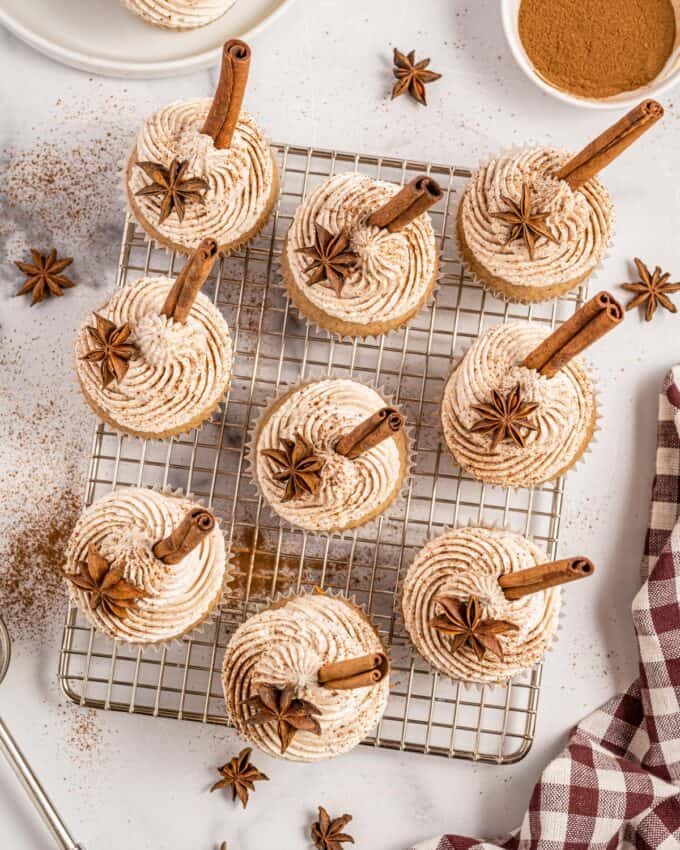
(669, 77)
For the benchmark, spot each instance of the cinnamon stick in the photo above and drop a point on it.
(354, 672)
(181, 297)
(610, 144)
(588, 324)
(193, 529)
(541, 577)
(226, 106)
(385, 423)
(411, 201)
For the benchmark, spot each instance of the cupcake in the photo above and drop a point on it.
(361, 257)
(330, 455)
(156, 359)
(146, 567)
(203, 167)
(481, 605)
(179, 14)
(519, 409)
(534, 223)
(307, 678)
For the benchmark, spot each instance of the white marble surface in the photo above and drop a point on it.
(320, 76)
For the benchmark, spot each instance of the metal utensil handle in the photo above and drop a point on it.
(35, 791)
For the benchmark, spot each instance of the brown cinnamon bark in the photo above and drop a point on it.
(414, 199)
(193, 529)
(588, 324)
(181, 297)
(610, 144)
(385, 423)
(541, 577)
(226, 106)
(354, 672)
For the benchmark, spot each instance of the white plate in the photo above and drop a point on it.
(102, 36)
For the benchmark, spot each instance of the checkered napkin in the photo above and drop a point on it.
(617, 784)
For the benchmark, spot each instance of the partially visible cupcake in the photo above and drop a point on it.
(307, 678)
(179, 14)
(146, 567)
(482, 605)
(361, 256)
(157, 359)
(330, 454)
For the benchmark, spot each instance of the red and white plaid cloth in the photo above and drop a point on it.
(616, 786)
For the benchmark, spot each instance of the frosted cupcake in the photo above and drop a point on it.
(179, 14)
(534, 223)
(157, 359)
(330, 454)
(146, 567)
(361, 257)
(203, 167)
(520, 409)
(306, 679)
(481, 605)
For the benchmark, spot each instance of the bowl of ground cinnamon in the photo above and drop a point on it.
(596, 53)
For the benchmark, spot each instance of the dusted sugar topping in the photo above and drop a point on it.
(124, 526)
(240, 178)
(350, 490)
(286, 645)
(581, 220)
(179, 14)
(394, 270)
(179, 371)
(561, 422)
(466, 563)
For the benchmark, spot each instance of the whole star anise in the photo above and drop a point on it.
(328, 834)
(291, 715)
(463, 622)
(240, 775)
(173, 186)
(524, 223)
(505, 418)
(44, 275)
(298, 467)
(105, 585)
(331, 259)
(110, 349)
(652, 289)
(412, 76)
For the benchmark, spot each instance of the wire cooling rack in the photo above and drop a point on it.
(426, 713)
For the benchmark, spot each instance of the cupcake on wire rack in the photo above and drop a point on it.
(157, 360)
(179, 14)
(520, 409)
(203, 167)
(534, 223)
(361, 256)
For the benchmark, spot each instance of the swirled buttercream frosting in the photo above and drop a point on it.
(351, 492)
(394, 273)
(581, 220)
(172, 599)
(465, 563)
(286, 645)
(564, 419)
(242, 179)
(179, 14)
(179, 373)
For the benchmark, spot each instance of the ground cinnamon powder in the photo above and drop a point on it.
(598, 48)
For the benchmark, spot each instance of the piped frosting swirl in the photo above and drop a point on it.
(179, 14)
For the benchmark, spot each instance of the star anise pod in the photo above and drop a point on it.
(105, 584)
(44, 275)
(173, 186)
(331, 259)
(240, 775)
(111, 349)
(463, 621)
(505, 418)
(328, 834)
(299, 468)
(652, 289)
(412, 76)
(524, 223)
(291, 715)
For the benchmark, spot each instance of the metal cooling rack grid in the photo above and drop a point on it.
(273, 347)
